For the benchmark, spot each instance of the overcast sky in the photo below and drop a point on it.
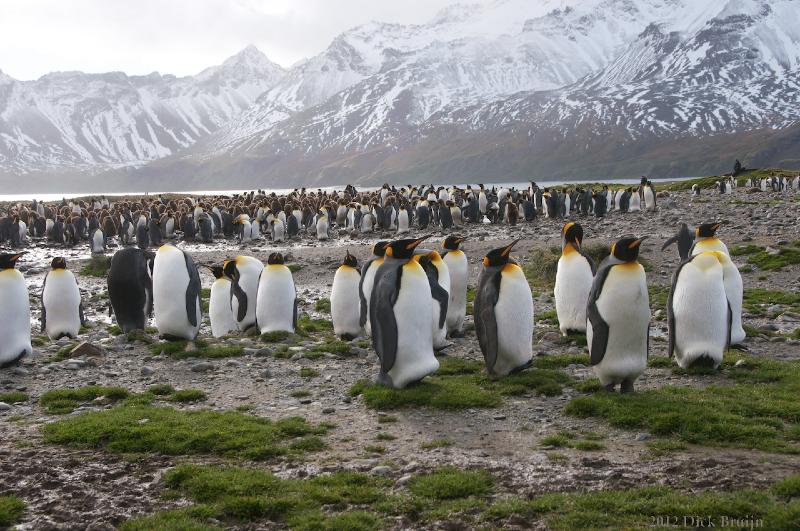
(179, 36)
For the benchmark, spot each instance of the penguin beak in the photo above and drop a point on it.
(636, 243)
(716, 226)
(507, 249)
(415, 243)
(17, 257)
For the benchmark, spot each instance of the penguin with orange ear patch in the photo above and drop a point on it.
(618, 317)
(503, 311)
(15, 312)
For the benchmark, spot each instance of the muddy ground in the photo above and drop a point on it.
(83, 489)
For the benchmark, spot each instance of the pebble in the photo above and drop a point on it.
(328, 410)
(381, 470)
(20, 371)
(4, 406)
(147, 371)
(203, 366)
(643, 436)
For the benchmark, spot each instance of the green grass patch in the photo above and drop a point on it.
(659, 295)
(332, 346)
(662, 362)
(559, 361)
(549, 317)
(188, 395)
(275, 337)
(639, 508)
(759, 411)
(562, 439)
(182, 350)
(294, 268)
(452, 483)
(142, 428)
(787, 488)
(542, 267)
(11, 510)
(744, 250)
(470, 300)
(114, 330)
(374, 449)
(757, 300)
(161, 389)
(591, 385)
(588, 446)
(302, 393)
(195, 518)
(308, 372)
(97, 266)
(63, 353)
(385, 437)
(39, 341)
(63, 401)
(387, 419)
(767, 261)
(461, 384)
(436, 443)
(307, 326)
(662, 447)
(323, 305)
(14, 397)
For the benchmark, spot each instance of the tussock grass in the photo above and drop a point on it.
(14, 397)
(461, 384)
(63, 401)
(11, 510)
(766, 261)
(98, 266)
(759, 411)
(437, 443)
(178, 350)
(559, 361)
(188, 395)
(323, 305)
(451, 483)
(143, 428)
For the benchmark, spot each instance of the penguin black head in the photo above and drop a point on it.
(627, 249)
(451, 243)
(58, 263)
(707, 230)
(379, 249)
(229, 269)
(499, 257)
(9, 261)
(217, 271)
(275, 259)
(572, 233)
(403, 249)
(350, 260)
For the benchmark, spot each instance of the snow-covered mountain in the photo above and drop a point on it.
(511, 90)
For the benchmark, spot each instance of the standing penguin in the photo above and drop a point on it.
(400, 313)
(618, 318)
(276, 303)
(15, 312)
(243, 272)
(346, 315)
(706, 239)
(176, 294)
(323, 227)
(368, 281)
(97, 241)
(458, 266)
(684, 238)
(219, 305)
(62, 309)
(573, 280)
(699, 313)
(130, 288)
(504, 313)
(439, 279)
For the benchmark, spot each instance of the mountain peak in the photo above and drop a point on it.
(251, 56)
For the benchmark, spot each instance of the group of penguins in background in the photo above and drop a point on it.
(149, 222)
(767, 184)
(411, 299)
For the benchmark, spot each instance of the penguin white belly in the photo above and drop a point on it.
(457, 305)
(402, 222)
(412, 313)
(15, 317)
(514, 315)
(369, 283)
(649, 198)
(246, 231)
(440, 334)
(734, 291)
(62, 299)
(573, 283)
(617, 200)
(700, 311)
(219, 308)
(322, 229)
(250, 270)
(170, 281)
(276, 298)
(345, 310)
(710, 244)
(635, 203)
(279, 233)
(624, 305)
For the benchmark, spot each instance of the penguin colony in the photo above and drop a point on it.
(411, 298)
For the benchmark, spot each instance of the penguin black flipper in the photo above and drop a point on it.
(592, 265)
(362, 319)
(670, 314)
(669, 242)
(730, 326)
(44, 310)
(241, 297)
(294, 312)
(384, 328)
(486, 298)
(81, 314)
(599, 326)
(437, 291)
(192, 291)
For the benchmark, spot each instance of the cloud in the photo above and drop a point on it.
(179, 37)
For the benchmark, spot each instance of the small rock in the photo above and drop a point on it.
(381, 470)
(20, 371)
(740, 363)
(147, 371)
(643, 436)
(499, 417)
(203, 366)
(328, 410)
(88, 350)
(266, 373)
(404, 479)
(4, 406)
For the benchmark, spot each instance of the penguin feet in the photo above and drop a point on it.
(441, 350)
(13, 362)
(626, 387)
(522, 367)
(611, 388)
(457, 334)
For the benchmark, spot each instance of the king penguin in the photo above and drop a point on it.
(684, 238)
(276, 303)
(439, 279)
(458, 266)
(573, 280)
(368, 281)
(618, 318)
(219, 306)
(400, 313)
(15, 312)
(176, 294)
(345, 312)
(706, 239)
(130, 288)
(699, 313)
(62, 309)
(504, 313)
(243, 272)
